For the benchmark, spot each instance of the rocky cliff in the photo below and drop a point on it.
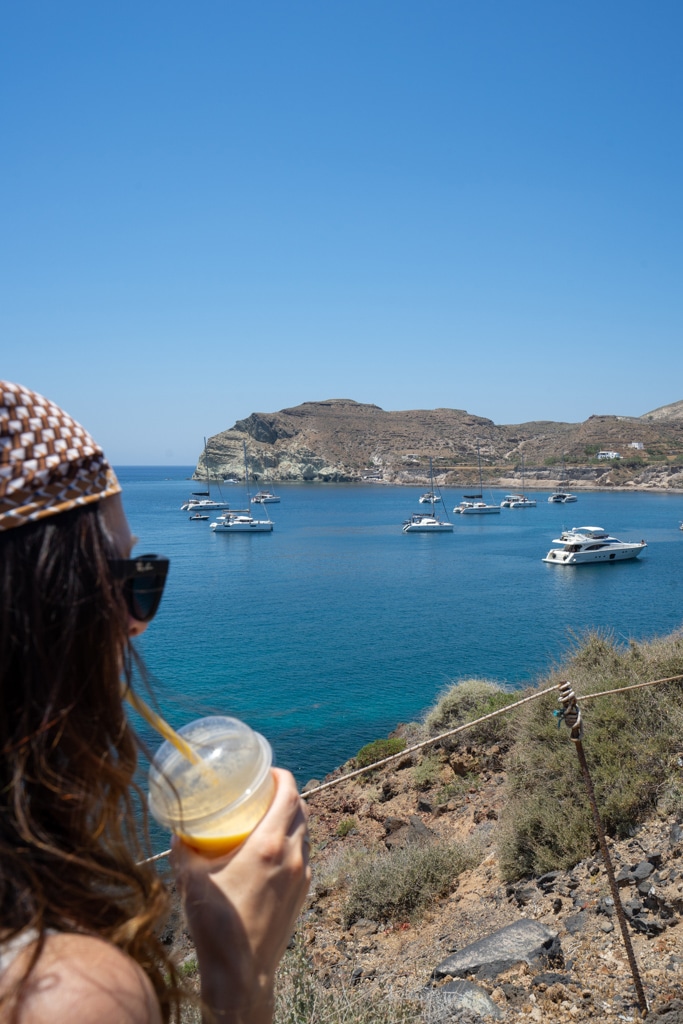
(343, 440)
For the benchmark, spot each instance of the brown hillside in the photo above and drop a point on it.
(344, 440)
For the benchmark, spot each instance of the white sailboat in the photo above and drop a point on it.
(201, 501)
(265, 497)
(428, 522)
(519, 500)
(474, 504)
(242, 521)
(560, 496)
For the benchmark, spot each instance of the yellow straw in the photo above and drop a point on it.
(164, 729)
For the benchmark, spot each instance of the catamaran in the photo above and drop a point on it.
(242, 521)
(474, 504)
(429, 522)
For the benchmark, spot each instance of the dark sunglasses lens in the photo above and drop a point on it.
(144, 595)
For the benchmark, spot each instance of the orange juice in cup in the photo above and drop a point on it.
(214, 801)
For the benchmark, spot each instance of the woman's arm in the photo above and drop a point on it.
(242, 908)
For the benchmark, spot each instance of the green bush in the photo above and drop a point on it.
(631, 742)
(426, 773)
(345, 826)
(465, 702)
(379, 749)
(457, 788)
(397, 884)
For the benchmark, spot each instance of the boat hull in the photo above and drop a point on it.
(479, 510)
(624, 553)
(241, 522)
(428, 527)
(243, 526)
(204, 506)
(562, 498)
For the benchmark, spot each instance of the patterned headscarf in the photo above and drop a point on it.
(48, 462)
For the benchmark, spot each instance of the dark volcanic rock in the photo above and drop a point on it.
(459, 995)
(523, 941)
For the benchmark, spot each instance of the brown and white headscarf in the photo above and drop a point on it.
(48, 462)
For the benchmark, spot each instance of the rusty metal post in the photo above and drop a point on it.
(572, 718)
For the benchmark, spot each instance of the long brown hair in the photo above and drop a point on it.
(69, 845)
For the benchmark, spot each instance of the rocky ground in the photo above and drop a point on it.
(587, 978)
(563, 961)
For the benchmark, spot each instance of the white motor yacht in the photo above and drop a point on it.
(588, 544)
(428, 498)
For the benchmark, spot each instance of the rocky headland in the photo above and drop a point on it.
(340, 440)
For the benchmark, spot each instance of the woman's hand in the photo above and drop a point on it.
(242, 908)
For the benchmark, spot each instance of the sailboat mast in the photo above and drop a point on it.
(246, 473)
(207, 492)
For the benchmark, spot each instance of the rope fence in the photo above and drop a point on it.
(453, 732)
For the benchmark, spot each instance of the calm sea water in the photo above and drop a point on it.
(326, 633)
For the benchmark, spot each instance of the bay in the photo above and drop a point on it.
(328, 632)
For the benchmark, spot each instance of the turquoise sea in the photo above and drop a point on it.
(326, 633)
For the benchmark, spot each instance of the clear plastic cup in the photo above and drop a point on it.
(215, 804)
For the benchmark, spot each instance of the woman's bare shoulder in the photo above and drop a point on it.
(84, 979)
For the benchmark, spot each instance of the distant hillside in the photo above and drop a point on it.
(343, 440)
(665, 412)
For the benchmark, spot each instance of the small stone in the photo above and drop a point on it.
(606, 927)
(642, 870)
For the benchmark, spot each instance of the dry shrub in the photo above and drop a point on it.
(301, 997)
(396, 885)
(632, 743)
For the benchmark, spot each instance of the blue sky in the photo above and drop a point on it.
(217, 208)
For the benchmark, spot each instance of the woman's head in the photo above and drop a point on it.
(68, 842)
(64, 627)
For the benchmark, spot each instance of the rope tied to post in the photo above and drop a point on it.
(570, 713)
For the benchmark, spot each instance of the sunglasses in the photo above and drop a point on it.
(143, 581)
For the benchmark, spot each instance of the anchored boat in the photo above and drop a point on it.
(583, 545)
